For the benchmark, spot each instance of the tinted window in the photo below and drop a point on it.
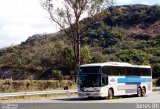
(148, 71)
(112, 70)
(89, 70)
(126, 71)
(93, 80)
(145, 72)
(136, 71)
(142, 71)
(104, 80)
(129, 71)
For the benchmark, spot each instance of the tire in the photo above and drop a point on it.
(139, 92)
(143, 91)
(110, 94)
(90, 98)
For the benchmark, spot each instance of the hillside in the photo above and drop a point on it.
(129, 33)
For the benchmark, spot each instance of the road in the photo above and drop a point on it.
(150, 101)
(153, 97)
(36, 93)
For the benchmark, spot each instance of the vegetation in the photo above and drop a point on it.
(158, 82)
(70, 14)
(127, 34)
(33, 85)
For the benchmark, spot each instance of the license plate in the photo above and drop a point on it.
(88, 93)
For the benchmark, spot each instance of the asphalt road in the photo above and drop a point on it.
(153, 97)
(150, 101)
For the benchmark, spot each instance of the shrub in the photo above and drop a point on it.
(158, 82)
(58, 74)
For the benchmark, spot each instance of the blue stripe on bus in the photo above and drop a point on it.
(136, 80)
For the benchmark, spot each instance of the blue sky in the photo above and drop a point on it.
(20, 19)
(147, 2)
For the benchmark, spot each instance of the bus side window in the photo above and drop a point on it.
(124, 72)
(104, 80)
(120, 71)
(104, 70)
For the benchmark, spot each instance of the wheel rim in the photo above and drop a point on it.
(139, 92)
(143, 91)
(110, 94)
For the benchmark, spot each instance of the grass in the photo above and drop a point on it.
(154, 82)
(8, 86)
(20, 99)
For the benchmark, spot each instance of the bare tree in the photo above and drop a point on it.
(68, 16)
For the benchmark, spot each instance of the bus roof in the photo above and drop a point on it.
(121, 64)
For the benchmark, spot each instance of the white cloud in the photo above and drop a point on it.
(120, 2)
(147, 2)
(22, 18)
(15, 34)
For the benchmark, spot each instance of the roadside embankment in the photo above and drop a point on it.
(8, 86)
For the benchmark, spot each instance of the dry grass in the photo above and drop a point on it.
(22, 99)
(33, 85)
(154, 82)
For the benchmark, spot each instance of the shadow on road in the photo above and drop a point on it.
(93, 99)
(79, 99)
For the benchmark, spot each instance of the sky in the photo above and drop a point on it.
(20, 19)
(147, 2)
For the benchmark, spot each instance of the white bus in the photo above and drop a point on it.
(113, 79)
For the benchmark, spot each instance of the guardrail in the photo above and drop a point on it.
(155, 88)
(47, 92)
(37, 93)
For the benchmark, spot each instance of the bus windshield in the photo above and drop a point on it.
(89, 70)
(91, 80)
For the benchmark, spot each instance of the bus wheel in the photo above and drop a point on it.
(110, 94)
(143, 91)
(139, 92)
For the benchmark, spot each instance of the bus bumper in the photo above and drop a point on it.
(90, 94)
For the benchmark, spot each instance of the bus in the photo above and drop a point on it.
(113, 79)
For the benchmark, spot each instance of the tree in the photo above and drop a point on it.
(86, 54)
(69, 16)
